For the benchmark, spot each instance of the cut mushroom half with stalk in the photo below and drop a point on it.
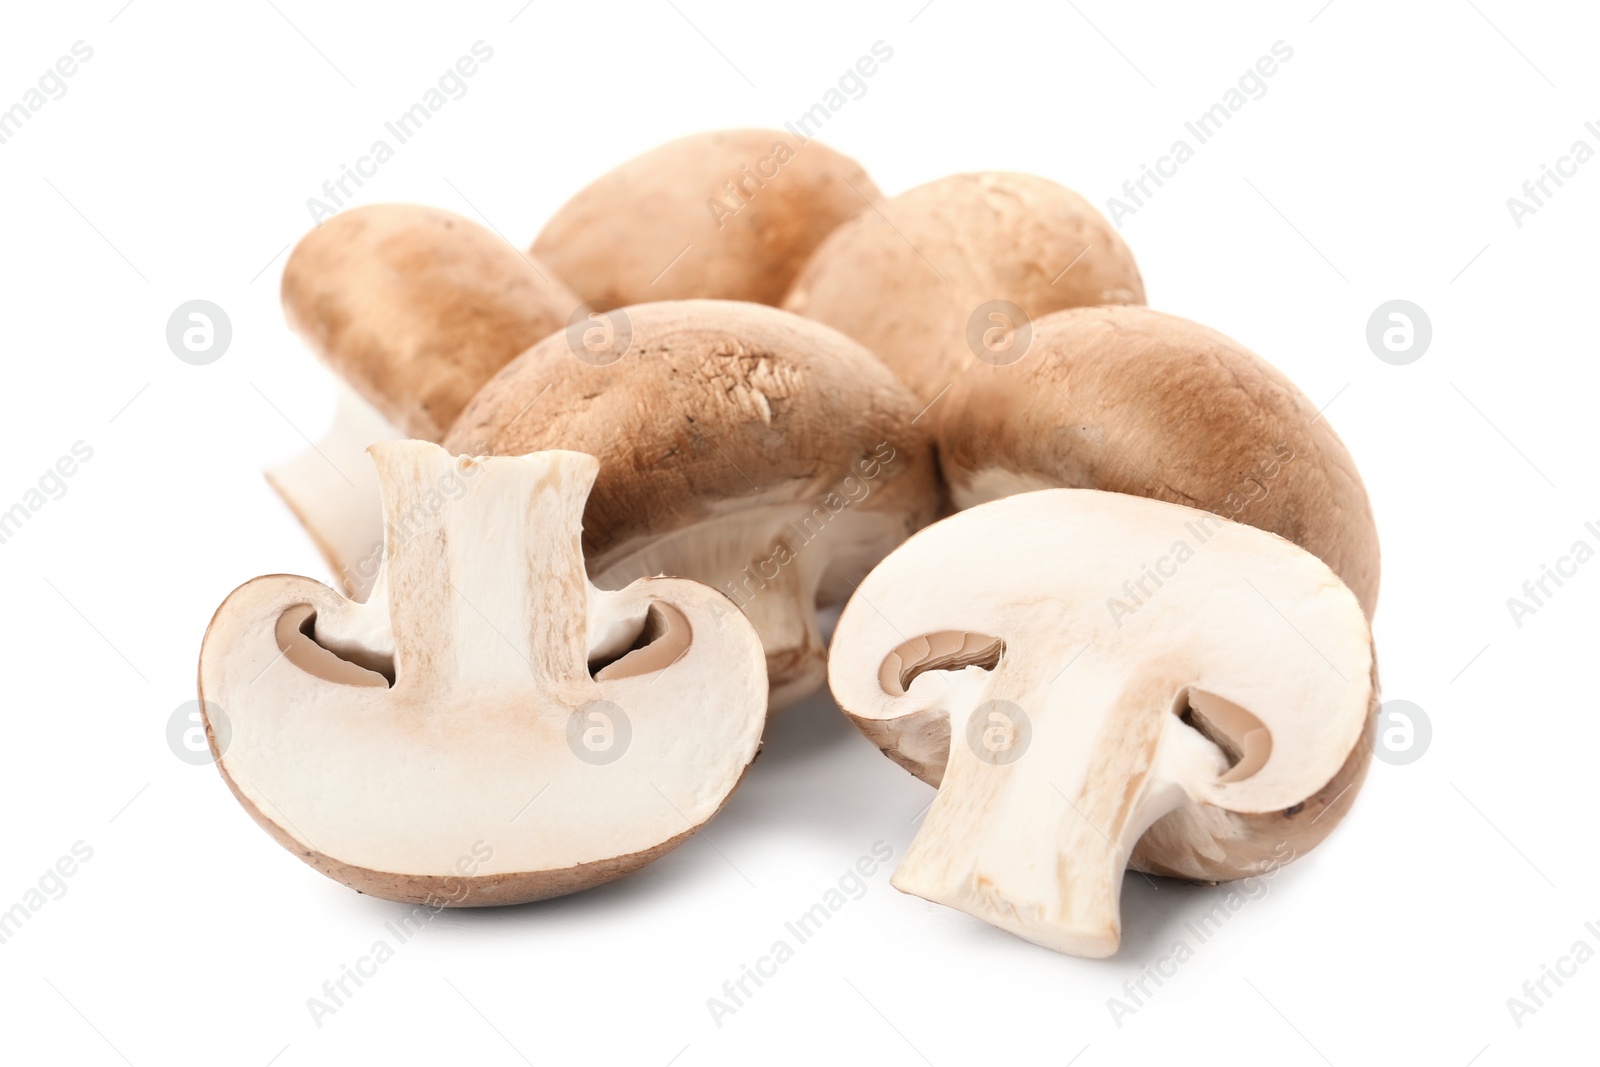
(488, 728)
(1211, 729)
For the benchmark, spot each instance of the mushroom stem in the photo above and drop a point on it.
(783, 613)
(482, 561)
(333, 491)
(1038, 813)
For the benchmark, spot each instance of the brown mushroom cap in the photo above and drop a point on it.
(906, 280)
(735, 440)
(1131, 400)
(416, 308)
(616, 239)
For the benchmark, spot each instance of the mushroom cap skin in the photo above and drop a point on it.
(913, 281)
(416, 308)
(428, 746)
(1131, 400)
(666, 225)
(761, 453)
(1096, 680)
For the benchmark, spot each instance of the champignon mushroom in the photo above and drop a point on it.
(1094, 681)
(954, 269)
(463, 737)
(726, 215)
(415, 308)
(1132, 400)
(763, 454)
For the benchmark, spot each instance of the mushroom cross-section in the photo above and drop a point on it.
(488, 728)
(1095, 680)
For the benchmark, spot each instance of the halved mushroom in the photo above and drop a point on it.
(953, 270)
(415, 308)
(1132, 400)
(1095, 681)
(725, 215)
(488, 728)
(763, 454)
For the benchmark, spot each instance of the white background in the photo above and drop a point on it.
(1377, 166)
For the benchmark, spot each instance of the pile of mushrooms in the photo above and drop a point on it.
(1106, 576)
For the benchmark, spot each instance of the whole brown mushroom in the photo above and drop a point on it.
(755, 451)
(728, 215)
(416, 308)
(1131, 400)
(950, 272)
